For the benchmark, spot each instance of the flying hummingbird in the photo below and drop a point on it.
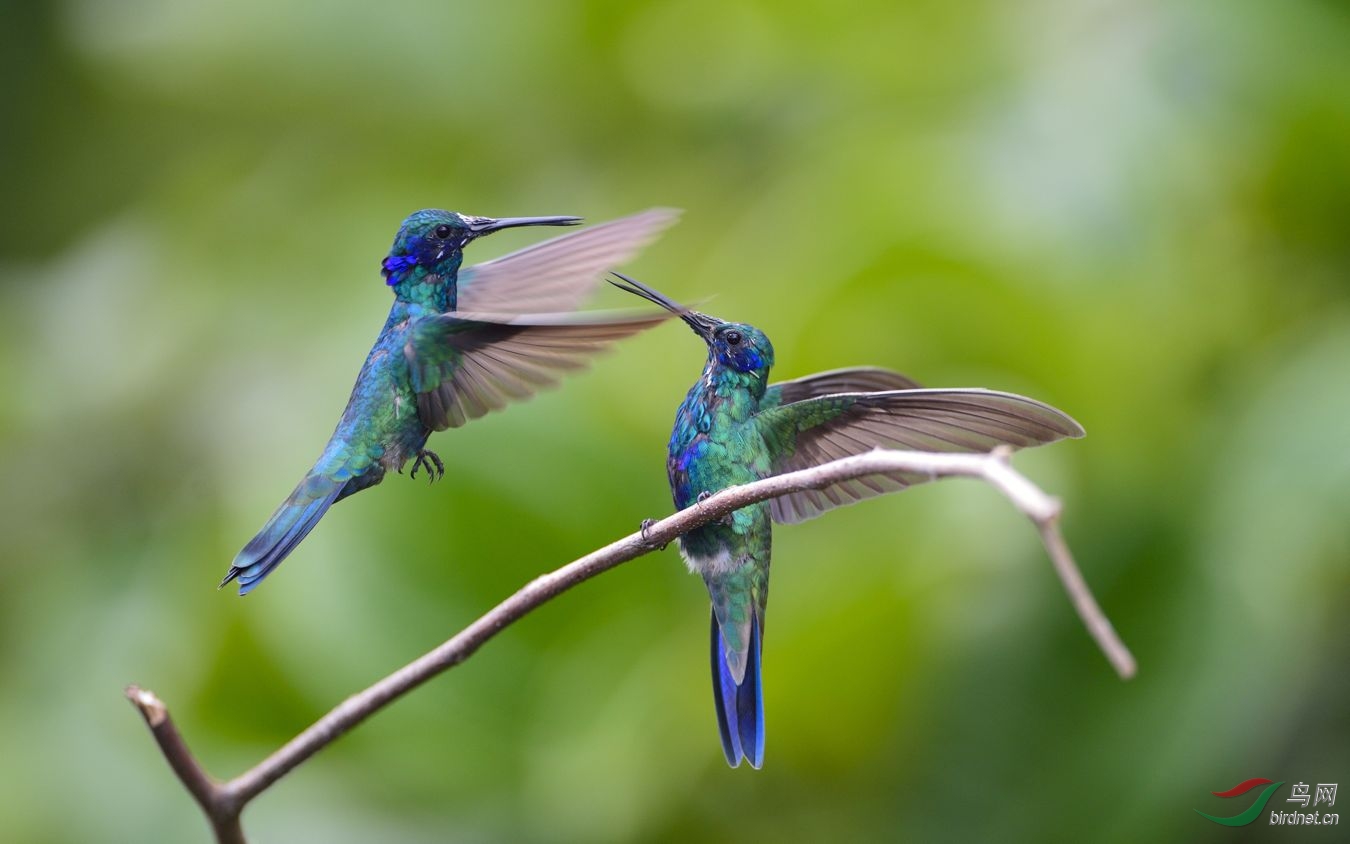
(735, 427)
(457, 344)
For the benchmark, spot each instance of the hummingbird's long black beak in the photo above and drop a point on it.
(703, 325)
(480, 226)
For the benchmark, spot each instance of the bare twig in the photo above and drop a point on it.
(223, 802)
(219, 805)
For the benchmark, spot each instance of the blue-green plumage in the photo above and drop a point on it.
(454, 346)
(733, 427)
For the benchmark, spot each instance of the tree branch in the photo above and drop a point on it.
(223, 802)
(220, 807)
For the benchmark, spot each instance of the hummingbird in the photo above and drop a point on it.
(457, 344)
(735, 427)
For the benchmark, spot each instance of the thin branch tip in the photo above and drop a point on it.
(1127, 667)
(152, 709)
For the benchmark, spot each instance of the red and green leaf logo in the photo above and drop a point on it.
(1253, 810)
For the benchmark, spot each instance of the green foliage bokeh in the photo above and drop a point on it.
(1135, 211)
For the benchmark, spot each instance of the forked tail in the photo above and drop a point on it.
(291, 522)
(740, 707)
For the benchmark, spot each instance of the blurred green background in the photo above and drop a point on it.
(1136, 211)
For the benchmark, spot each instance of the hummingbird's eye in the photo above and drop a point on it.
(443, 231)
(733, 338)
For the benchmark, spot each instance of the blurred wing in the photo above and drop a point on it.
(817, 430)
(556, 275)
(857, 379)
(464, 365)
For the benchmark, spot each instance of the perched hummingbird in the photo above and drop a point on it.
(735, 427)
(452, 349)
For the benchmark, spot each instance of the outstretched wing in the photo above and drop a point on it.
(464, 365)
(556, 275)
(814, 431)
(855, 379)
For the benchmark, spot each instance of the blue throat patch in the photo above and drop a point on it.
(393, 267)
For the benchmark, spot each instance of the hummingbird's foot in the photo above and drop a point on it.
(704, 496)
(646, 525)
(430, 461)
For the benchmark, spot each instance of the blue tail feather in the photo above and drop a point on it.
(291, 523)
(740, 708)
(724, 690)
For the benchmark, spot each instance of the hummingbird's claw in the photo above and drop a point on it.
(430, 461)
(704, 496)
(646, 525)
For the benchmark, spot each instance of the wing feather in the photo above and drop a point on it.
(466, 365)
(556, 275)
(854, 379)
(822, 428)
